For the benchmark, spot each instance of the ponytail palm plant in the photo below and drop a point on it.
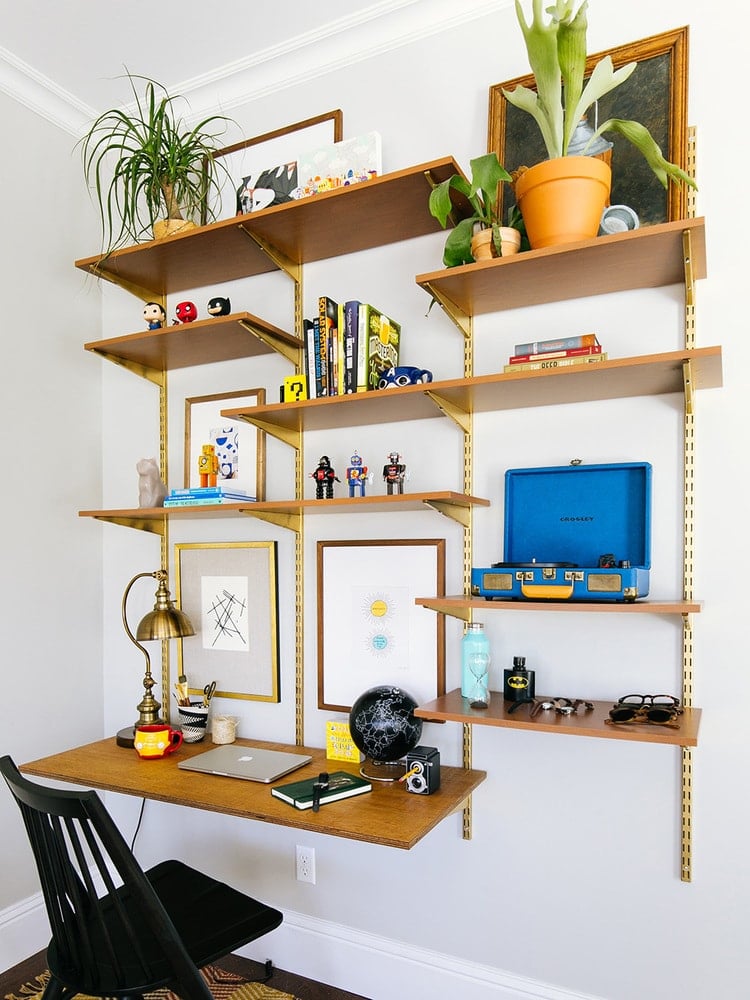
(557, 55)
(145, 164)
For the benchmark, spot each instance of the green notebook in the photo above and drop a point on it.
(341, 785)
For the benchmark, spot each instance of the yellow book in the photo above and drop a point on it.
(339, 743)
(532, 366)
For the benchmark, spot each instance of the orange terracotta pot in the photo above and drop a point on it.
(562, 200)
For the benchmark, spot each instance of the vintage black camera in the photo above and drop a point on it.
(424, 763)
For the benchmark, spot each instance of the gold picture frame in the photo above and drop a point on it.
(203, 417)
(655, 95)
(229, 590)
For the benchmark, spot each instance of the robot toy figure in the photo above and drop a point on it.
(394, 473)
(356, 476)
(208, 465)
(155, 316)
(324, 477)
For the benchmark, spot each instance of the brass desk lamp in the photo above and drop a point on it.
(165, 621)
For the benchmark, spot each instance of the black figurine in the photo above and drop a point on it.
(219, 306)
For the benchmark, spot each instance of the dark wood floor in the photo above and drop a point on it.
(287, 982)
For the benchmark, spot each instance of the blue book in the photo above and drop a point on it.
(561, 344)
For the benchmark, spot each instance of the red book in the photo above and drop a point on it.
(573, 352)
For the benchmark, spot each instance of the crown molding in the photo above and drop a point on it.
(379, 28)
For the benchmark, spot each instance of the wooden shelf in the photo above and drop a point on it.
(374, 213)
(645, 375)
(453, 708)
(224, 338)
(152, 518)
(388, 815)
(642, 258)
(459, 607)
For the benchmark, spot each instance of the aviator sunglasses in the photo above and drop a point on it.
(658, 709)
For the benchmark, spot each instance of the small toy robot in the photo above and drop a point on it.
(185, 312)
(356, 476)
(208, 465)
(324, 477)
(219, 306)
(394, 473)
(155, 315)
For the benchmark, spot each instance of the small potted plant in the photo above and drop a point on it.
(557, 56)
(481, 235)
(162, 171)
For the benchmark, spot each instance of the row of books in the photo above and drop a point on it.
(196, 496)
(347, 347)
(583, 349)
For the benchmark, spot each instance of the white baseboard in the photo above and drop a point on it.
(24, 930)
(380, 968)
(373, 966)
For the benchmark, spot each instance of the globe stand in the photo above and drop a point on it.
(382, 770)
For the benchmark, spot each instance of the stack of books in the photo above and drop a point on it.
(195, 496)
(347, 347)
(584, 349)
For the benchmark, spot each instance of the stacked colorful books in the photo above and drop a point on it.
(196, 496)
(584, 349)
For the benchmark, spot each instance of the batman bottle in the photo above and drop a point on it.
(518, 682)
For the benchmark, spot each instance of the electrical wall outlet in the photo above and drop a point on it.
(305, 864)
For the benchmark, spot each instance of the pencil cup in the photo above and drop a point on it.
(224, 729)
(193, 719)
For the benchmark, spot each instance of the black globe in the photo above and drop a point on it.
(383, 725)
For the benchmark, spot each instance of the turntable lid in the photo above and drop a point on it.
(576, 513)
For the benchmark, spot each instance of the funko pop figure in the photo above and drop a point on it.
(185, 312)
(324, 477)
(154, 315)
(356, 476)
(219, 306)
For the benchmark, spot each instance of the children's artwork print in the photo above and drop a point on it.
(339, 164)
(226, 442)
(224, 621)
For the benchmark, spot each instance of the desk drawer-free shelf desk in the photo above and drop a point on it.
(389, 815)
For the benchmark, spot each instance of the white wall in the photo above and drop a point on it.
(50, 612)
(570, 885)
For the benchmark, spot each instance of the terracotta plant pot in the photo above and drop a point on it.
(170, 227)
(562, 200)
(482, 247)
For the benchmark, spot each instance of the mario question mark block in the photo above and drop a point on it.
(294, 388)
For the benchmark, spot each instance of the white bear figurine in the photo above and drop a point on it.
(151, 489)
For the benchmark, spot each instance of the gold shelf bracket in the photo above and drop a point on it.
(291, 353)
(456, 315)
(292, 521)
(688, 384)
(284, 263)
(154, 375)
(456, 513)
(456, 413)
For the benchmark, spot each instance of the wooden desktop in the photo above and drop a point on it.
(389, 815)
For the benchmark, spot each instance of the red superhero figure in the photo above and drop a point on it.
(324, 477)
(394, 473)
(185, 312)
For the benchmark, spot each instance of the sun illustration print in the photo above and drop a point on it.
(378, 605)
(380, 643)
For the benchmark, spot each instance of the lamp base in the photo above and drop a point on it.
(126, 738)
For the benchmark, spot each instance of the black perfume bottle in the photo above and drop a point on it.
(518, 682)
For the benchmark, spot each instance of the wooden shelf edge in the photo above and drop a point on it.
(453, 708)
(649, 606)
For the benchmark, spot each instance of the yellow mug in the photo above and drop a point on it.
(156, 741)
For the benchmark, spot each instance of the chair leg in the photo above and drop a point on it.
(54, 990)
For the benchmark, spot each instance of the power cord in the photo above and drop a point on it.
(138, 825)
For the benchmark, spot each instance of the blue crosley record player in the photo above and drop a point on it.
(573, 533)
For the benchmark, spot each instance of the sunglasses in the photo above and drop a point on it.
(657, 709)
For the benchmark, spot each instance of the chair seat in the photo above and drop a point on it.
(211, 918)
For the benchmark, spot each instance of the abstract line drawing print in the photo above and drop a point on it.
(224, 623)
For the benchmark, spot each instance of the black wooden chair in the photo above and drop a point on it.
(138, 930)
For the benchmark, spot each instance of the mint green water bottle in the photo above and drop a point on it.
(475, 665)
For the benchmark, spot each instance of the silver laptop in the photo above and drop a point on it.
(249, 763)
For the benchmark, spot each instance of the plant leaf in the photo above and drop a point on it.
(571, 50)
(457, 248)
(645, 143)
(541, 48)
(603, 79)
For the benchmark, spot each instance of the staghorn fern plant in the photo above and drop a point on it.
(557, 56)
(159, 167)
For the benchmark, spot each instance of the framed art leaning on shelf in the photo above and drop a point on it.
(369, 630)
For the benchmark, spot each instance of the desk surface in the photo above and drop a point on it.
(388, 815)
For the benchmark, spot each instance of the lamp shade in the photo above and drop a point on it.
(164, 621)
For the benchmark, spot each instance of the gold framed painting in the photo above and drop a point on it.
(229, 590)
(655, 95)
(240, 447)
